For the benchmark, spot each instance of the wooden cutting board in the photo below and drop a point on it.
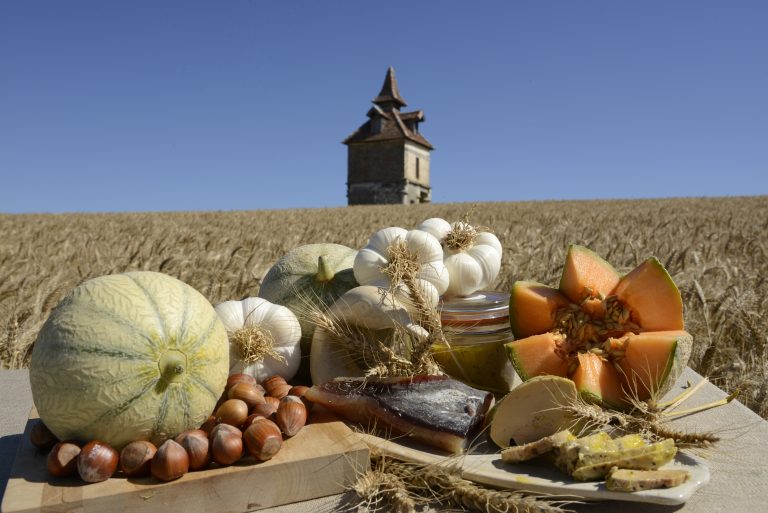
(322, 459)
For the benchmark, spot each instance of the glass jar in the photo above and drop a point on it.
(476, 329)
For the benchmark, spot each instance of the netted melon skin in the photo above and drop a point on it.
(96, 367)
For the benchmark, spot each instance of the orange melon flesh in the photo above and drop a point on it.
(586, 274)
(536, 356)
(532, 308)
(653, 298)
(598, 381)
(653, 361)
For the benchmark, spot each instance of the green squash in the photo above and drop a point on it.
(318, 273)
(134, 356)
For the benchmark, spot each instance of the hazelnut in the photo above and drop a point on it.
(135, 458)
(234, 379)
(251, 419)
(170, 462)
(62, 460)
(41, 437)
(232, 412)
(291, 415)
(276, 386)
(226, 444)
(209, 424)
(97, 462)
(197, 445)
(299, 391)
(263, 439)
(267, 409)
(246, 392)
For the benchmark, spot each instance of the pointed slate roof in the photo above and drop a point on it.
(392, 121)
(392, 127)
(389, 92)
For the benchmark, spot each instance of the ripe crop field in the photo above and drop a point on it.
(716, 250)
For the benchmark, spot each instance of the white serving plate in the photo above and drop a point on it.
(483, 465)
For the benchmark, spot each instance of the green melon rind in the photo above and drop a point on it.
(514, 321)
(682, 354)
(594, 256)
(291, 282)
(516, 363)
(95, 370)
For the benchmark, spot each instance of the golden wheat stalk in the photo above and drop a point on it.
(444, 485)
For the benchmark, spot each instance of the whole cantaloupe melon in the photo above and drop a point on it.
(134, 356)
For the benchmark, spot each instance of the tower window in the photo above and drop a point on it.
(417, 167)
(375, 125)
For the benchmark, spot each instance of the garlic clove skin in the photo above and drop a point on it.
(291, 415)
(472, 267)
(198, 449)
(226, 444)
(373, 258)
(263, 439)
(278, 321)
(97, 462)
(170, 462)
(62, 460)
(435, 226)
(136, 457)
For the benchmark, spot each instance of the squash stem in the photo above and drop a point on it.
(324, 272)
(172, 365)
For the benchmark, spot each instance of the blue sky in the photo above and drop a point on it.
(187, 105)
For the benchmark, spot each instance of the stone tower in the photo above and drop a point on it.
(388, 159)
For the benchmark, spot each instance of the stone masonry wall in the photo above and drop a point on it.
(375, 162)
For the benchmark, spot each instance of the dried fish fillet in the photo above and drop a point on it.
(434, 410)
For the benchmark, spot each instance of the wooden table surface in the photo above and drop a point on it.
(738, 464)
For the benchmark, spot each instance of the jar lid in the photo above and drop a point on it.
(484, 308)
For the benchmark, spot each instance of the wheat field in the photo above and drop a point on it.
(716, 249)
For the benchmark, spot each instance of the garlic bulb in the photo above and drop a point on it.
(263, 338)
(366, 307)
(390, 250)
(471, 257)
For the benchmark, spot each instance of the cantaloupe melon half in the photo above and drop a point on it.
(653, 361)
(532, 308)
(586, 275)
(643, 364)
(598, 381)
(652, 297)
(537, 356)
